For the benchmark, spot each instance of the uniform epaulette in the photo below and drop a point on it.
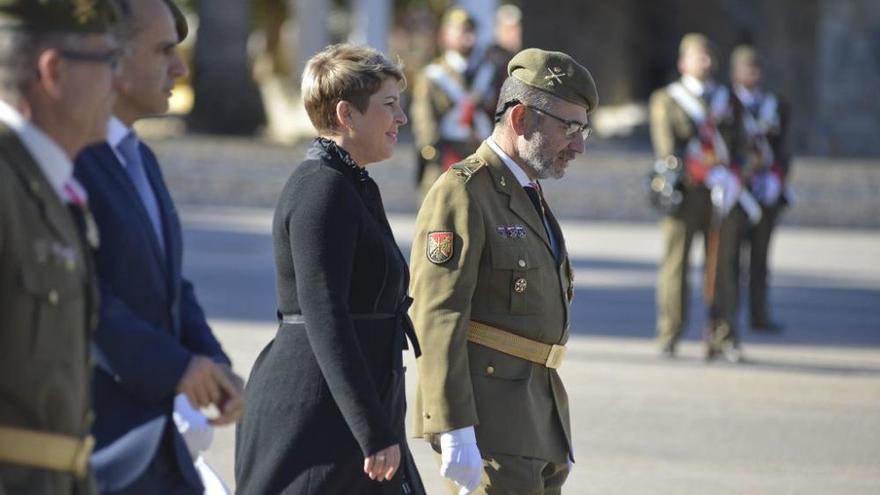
(467, 168)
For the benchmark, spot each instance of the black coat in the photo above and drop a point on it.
(328, 390)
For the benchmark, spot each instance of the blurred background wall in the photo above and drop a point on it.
(822, 55)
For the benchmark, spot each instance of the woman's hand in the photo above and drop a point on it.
(382, 465)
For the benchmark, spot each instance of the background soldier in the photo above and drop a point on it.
(492, 285)
(453, 100)
(698, 123)
(57, 78)
(765, 120)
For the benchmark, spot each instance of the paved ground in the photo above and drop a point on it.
(801, 417)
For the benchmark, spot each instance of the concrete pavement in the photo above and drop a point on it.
(802, 417)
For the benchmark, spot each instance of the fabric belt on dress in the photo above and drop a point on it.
(549, 355)
(401, 315)
(45, 450)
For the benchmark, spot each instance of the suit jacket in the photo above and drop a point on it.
(150, 321)
(48, 302)
(518, 407)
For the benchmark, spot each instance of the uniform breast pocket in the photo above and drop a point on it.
(514, 282)
(53, 310)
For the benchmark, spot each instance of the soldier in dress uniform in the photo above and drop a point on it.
(58, 80)
(453, 100)
(696, 127)
(765, 119)
(492, 284)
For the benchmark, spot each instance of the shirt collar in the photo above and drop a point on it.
(747, 96)
(514, 167)
(53, 161)
(116, 132)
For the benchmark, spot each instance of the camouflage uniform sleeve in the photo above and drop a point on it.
(662, 132)
(443, 291)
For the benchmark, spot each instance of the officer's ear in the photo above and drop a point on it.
(48, 71)
(518, 119)
(343, 114)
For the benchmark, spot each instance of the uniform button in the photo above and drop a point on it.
(70, 265)
(427, 416)
(35, 186)
(520, 285)
(490, 370)
(53, 297)
(89, 419)
(522, 263)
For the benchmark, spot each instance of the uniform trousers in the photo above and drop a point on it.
(695, 216)
(515, 475)
(756, 243)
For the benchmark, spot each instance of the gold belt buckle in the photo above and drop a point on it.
(81, 457)
(554, 358)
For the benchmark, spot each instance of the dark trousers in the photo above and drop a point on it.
(756, 247)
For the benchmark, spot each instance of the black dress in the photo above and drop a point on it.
(328, 390)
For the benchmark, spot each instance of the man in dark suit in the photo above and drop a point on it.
(152, 340)
(57, 87)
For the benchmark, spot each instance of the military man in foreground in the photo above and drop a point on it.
(696, 127)
(58, 80)
(492, 285)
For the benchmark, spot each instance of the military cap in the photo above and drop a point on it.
(556, 73)
(744, 55)
(69, 16)
(180, 23)
(456, 16)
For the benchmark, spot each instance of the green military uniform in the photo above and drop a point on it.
(48, 298)
(452, 108)
(674, 132)
(766, 120)
(482, 254)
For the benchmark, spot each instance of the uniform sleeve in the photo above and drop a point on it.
(662, 133)
(323, 235)
(442, 306)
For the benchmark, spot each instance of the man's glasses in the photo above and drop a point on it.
(113, 57)
(572, 127)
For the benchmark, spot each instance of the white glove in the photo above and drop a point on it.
(460, 458)
(767, 187)
(725, 189)
(193, 426)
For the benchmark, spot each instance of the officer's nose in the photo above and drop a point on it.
(578, 143)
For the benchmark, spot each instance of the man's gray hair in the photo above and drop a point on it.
(514, 90)
(19, 51)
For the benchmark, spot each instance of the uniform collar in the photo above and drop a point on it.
(747, 96)
(514, 167)
(53, 161)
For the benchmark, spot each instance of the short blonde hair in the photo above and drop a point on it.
(344, 72)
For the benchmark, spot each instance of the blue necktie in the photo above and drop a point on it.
(134, 166)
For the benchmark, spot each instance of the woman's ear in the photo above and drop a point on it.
(343, 114)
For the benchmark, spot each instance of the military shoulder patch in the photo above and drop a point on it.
(467, 168)
(439, 248)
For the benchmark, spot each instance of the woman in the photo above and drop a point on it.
(325, 398)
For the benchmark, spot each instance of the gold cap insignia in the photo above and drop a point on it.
(84, 10)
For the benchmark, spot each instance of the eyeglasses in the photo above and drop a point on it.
(112, 57)
(572, 127)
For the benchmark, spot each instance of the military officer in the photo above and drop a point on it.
(57, 87)
(492, 284)
(453, 100)
(696, 126)
(765, 119)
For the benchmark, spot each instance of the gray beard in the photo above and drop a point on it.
(538, 160)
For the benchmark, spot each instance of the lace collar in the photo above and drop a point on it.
(343, 157)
